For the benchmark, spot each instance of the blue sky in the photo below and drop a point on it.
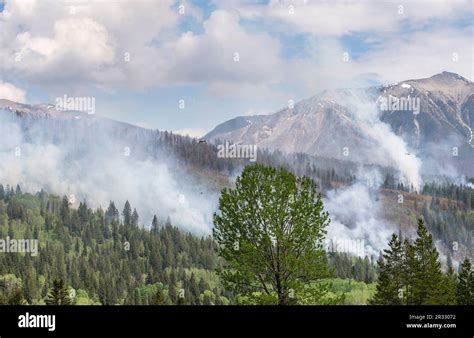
(286, 50)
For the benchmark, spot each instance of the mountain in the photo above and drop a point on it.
(75, 130)
(446, 106)
(354, 124)
(98, 160)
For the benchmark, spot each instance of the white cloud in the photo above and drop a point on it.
(89, 42)
(12, 93)
(78, 49)
(75, 45)
(225, 55)
(396, 58)
(132, 44)
(345, 17)
(421, 54)
(83, 43)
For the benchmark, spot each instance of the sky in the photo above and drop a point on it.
(187, 66)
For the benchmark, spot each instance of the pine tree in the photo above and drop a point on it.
(58, 294)
(172, 293)
(112, 214)
(465, 285)
(127, 214)
(426, 280)
(154, 223)
(193, 286)
(134, 219)
(449, 263)
(448, 289)
(65, 210)
(390, 287)
(30, 288)
(411, 273)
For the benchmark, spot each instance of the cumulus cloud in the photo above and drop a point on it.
(137, 45)
(131, 44)
(225, 56)
(78, 49)
(80, 42)
(399, 41)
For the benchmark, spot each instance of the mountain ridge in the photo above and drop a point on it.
(333, 120)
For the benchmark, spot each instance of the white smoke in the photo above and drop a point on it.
(389, 146)
(101, 173)
(356, 211)
(355, 216)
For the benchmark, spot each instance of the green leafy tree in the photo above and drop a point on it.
(270, 230)
(16, 298)
(11, 290)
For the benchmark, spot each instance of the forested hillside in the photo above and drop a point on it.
(109, 257)
(447, 209)
(106, 256)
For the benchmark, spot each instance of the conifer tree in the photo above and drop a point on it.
(390, 287)
(65, 210)
(134, 219)
(58, 294)
(112, 214)
(465, 285)
(426, 279)
(127, 214)
(154, 223)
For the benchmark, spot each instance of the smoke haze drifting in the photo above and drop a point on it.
(100, 168)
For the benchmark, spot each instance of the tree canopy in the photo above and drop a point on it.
(270, 230)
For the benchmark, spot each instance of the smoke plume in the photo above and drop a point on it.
(89, 162)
